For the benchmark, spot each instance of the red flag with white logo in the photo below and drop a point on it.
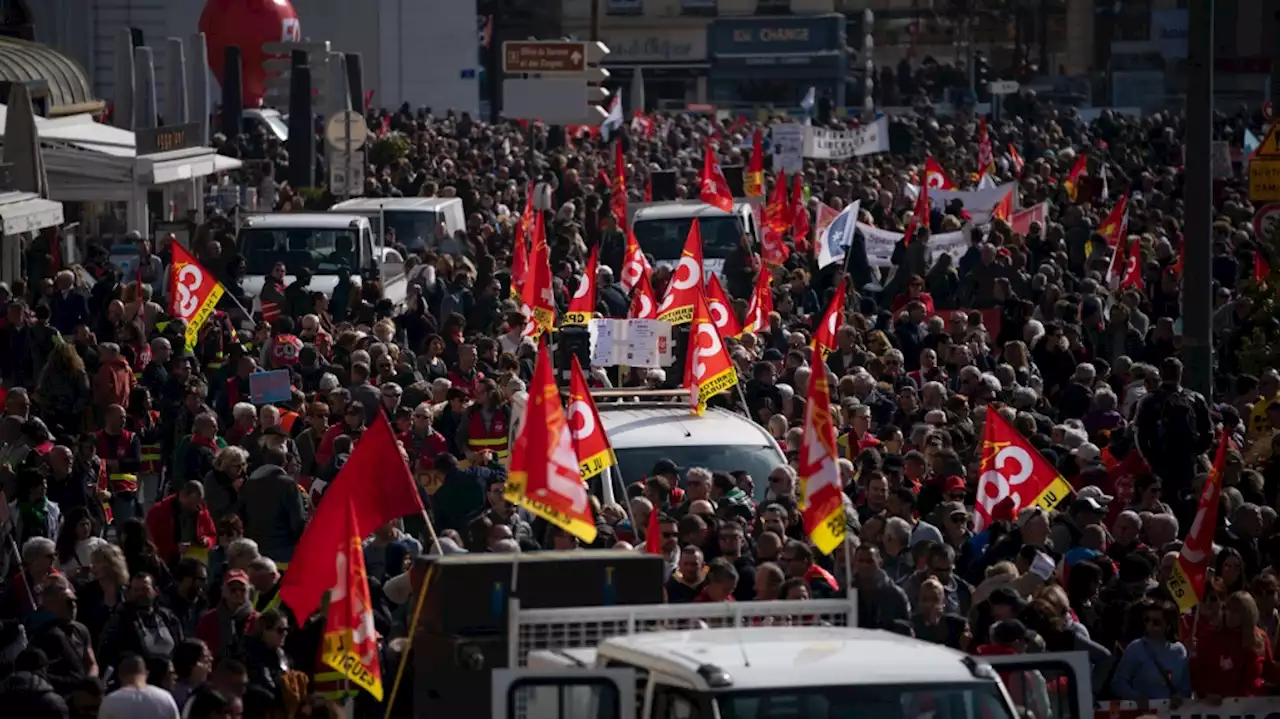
(713, 189)
(686, 281)
(595, 455)
(722, 309)
(708, 371)
(1011, 469)
(644, 306)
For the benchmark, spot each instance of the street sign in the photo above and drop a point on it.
(346, 173)
(545, 56)
(342, 139)
(1266, 222)
(1264, 169)
(1003, 87)
(561, 83)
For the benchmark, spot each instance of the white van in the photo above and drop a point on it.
(662, 227)
(418, 222)
(641, 433)
(323, 243)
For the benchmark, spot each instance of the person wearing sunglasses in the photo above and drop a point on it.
(1153, 666)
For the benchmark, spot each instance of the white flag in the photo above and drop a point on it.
(834, 240)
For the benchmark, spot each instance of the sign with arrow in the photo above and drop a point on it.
(1264, 169)
(544, 57)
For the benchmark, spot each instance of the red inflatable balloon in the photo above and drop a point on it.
(247, 24)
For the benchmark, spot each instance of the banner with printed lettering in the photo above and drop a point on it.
(880, 243)
(823, 144)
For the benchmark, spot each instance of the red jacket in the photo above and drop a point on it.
(324, 452)
(161, 525)
(208, 631)
(1223, 666)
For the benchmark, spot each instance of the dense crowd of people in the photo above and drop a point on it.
(152, 509)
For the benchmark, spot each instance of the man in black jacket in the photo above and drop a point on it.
(140, 626)
(1173, 429)
(27, 692)
(66, 643)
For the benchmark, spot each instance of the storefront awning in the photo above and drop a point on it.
(165, 167)
(24, 212)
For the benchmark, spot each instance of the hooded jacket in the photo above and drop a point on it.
(270, 503)
(31, 696)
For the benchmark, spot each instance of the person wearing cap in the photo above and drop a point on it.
(1068, 528)
(225, 627)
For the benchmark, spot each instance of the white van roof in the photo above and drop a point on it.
(367, 204)
(680, 209)
(318, 220)
(779, 657)
(675, 426)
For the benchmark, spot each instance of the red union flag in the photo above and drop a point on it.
(821, 496)
(595, 455)
(582, 307)
(195, 292)
(761, 303)
(350, 640)
(643, 304)
(1012, 469)
(634, 263)
(721, 309)
(1186, 583)
(935, 176)
(824, 338)
(686, 281)
(714, 189)
(708, 371)
(544, 476)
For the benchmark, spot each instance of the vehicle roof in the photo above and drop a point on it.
(673, 426)
(365, 204)
(776, 657)
(680, 209)
(322, 220)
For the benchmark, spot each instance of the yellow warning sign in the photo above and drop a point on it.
(1270, 145)
(1264, 179)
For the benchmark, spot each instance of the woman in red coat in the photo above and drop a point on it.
(1235, 660)
(915, 291)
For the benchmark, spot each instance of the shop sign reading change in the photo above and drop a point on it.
(1264, 169)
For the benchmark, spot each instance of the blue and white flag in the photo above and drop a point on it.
(612, 123)
(835, 239)
(810, 98)
(1251, 142)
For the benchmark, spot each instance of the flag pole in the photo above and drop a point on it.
(413, 627)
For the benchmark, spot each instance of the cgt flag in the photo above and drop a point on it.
(824, 339)
(1186, 582)
(1012, 469)
(685, 284)
(582, 307)
(644, 306)
(721, 309)
(350, 639)
(544, 476)
(536, 299)
(595, 454)
(821, 498)
(634, 263)
(195, 293)
(377, 486)
(761, 304)
(708, 371)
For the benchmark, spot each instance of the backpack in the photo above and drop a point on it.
(1177, 426)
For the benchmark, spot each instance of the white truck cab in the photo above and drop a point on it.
(322, 242)
(662, 227)
(418, 223)
(766, 660)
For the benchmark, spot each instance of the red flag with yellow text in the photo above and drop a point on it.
(821, 495)
(536, 300)
(377, 486)
(1012, 469)
(544, 476)
(595, 454)
(350, 639)
(634, 263)
(755, 167)
(582, 306)
(195, 292)
(644, 306)
(1186, 582)
(761, 304)
(721, 309)
(708, 371)
(686, 281)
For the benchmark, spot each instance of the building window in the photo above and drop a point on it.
(698, 7)
(623, 7)
(773, 7)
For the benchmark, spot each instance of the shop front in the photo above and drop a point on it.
(672, 62)
(773, 61)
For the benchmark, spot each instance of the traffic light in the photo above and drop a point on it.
(981, 77)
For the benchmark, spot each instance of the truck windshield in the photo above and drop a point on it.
(415, 230)
(664, 239)
(322, 250)
(637, 462)
(961, 701)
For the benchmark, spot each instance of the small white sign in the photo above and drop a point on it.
(634, 343)
(788, 147)
(1003, 87)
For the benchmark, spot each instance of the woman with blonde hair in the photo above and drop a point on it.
(63, 392)
(97, 600)
(1235, 660)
